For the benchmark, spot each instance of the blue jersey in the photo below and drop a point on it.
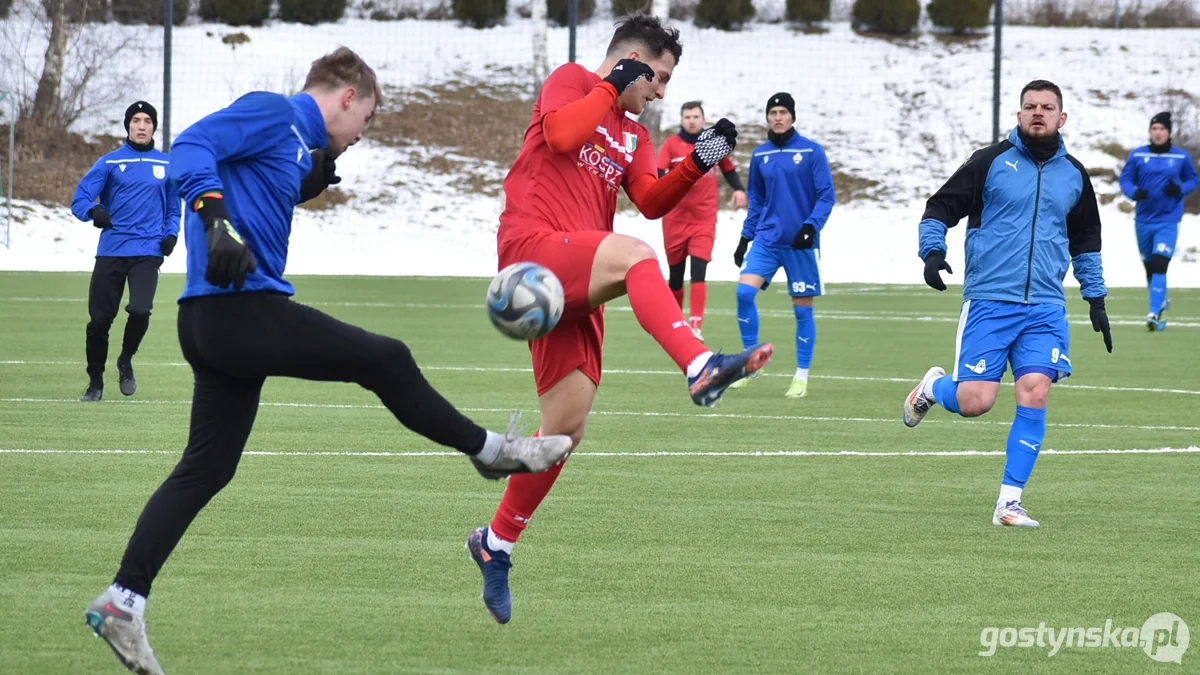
(255, 152)
(133, 187)
(1027, 222)
(1151, 171)
(790, 185)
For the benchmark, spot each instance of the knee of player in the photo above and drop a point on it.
(139, 312)
(975, 404)
(1157, 264)
(1034, 396)
(640, 250)
(746, 292)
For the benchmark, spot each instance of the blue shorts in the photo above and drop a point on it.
(991, 334)
(803, 267)
(1157, 239)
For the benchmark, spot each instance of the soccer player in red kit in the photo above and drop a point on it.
(690, 228)
(561, 194)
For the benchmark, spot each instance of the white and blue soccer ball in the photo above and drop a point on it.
(525, 301)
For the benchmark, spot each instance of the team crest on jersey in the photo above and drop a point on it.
(160, 172)
(630, 142)
(797, 158)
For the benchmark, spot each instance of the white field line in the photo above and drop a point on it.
(673, 373)
(637, 413)
(769, 453)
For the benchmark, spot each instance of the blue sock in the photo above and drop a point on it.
(1158, 292)
(945, 392)
(747, 314)
(806, 335)
(1024, 442)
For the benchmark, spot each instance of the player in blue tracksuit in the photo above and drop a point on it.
(127, 196)
(791, 196)
(241, 171)
(1158, 177)
(1031, 212)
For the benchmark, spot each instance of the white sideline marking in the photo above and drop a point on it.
(674, 373)
(645, 413)
(769, 453)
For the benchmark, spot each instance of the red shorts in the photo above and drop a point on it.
(575, 343)
(683, 239)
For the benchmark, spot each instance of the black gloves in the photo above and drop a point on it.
(322, 175)
(806, 237)
(1100, 320)
(229, 259)
(740, 254)
(167, 245)
(1140, 194)
(100, 217)
(626, 72)
(1172, 189)
(714, 144)
(935, 262)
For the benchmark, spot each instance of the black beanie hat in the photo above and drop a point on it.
(141, 107)
(783, 99)
(1163, 118)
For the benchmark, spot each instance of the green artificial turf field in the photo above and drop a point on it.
(678, 539)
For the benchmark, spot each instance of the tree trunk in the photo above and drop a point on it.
(47, 101)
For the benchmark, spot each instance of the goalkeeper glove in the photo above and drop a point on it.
(229, 259)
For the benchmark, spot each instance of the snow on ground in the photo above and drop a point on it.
(903, 113)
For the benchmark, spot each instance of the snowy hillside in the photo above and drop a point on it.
(901, 114)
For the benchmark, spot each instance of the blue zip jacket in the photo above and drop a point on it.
(255, 152)
(1026, 223)
(1151, 171)
(132, 186)
(790, 185)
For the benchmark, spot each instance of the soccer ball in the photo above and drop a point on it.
(525, 301)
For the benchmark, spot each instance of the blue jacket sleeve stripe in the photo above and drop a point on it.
(1089, 272)
(932, 237)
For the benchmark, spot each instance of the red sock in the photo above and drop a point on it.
(658, 313)
(678, 293)
(524, 493)
(699, 296)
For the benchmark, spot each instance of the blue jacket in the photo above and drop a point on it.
(255, 152)
(132, 186)
(1026, 223)
(790, 185)
(1151, 171)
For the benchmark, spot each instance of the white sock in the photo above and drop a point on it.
(128, 600)
(1009, 493)
(927, 390)
(697, 364)
(491, 447)
(801, 374)
(497, 544)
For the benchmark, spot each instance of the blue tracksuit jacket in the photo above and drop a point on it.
(790, 185)
(255, 152)
(133, 187)
(1026, 222)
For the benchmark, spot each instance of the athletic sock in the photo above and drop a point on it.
(699, 298)
(659, 314)
(945, 392)
(1024, 443)
(747, 314)
(806, 335)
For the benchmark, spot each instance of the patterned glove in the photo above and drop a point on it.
(714, 144)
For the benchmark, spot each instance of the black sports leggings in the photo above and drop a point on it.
(233, 343)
